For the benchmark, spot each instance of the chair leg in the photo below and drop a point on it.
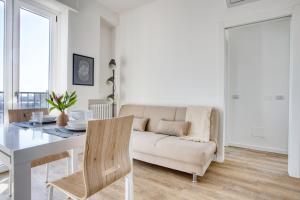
(47, 172)
(195, 177)
(10, 184)
(50, 193)
(129, 194)
(68, 166)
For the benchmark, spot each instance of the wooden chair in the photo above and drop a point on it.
(106, 159)
(21, 115)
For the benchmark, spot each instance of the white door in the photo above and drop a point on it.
(258, 85)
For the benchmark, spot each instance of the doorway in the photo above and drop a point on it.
(258, 60)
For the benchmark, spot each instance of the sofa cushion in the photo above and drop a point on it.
(156, 113)
(139, 124)
(175, 128)
(174, 148)
(199, 117)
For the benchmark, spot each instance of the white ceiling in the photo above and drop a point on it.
(123, 5)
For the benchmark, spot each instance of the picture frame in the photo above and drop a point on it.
(83, 70)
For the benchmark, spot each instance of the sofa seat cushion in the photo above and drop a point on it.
(197, 153)
(174, 148)
(145, 142)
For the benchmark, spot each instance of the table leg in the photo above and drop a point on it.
(22, 181)
(70, 165)
(74, 159)
(129, 193)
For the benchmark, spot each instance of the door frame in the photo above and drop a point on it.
(228, 98)
(294, 127)
(223, 65)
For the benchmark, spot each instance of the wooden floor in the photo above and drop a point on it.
(244, 175)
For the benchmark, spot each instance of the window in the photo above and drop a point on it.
(34, 40)
(27, 40)
(34, 52)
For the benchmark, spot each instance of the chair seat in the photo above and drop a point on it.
(50, 158)
(72, 185)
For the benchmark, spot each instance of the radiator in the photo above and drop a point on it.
(101, 110)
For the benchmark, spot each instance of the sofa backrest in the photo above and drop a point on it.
(156, 113)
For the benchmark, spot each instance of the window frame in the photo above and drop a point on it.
(4, 39)
(40, 10)
(7, 56)
(7, 72)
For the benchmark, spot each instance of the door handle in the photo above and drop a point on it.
(235, 96)
(279, 97)
(16, 94)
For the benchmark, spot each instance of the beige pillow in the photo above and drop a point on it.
(174, 128)
(139, 124)
(199, 117)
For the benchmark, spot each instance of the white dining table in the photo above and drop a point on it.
(19, 146)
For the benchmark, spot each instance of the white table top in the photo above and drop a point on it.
(13, 138)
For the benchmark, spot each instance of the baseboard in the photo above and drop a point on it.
(272, 150)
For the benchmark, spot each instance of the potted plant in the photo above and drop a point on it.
(61, 103)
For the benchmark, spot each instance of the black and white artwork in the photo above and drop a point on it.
(83, 70)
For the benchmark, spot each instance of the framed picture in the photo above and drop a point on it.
(83, 70)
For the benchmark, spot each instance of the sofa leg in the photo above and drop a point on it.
(195, 177)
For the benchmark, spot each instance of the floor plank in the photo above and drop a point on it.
(245, 175)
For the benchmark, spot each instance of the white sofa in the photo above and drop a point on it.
(171, 151)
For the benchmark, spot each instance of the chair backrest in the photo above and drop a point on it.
(106, 154)
(21, 115)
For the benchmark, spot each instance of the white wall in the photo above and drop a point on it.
(84, 39)
(170, 48)
(170, 51)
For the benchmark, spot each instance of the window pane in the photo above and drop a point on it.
(1, 59)
(34, 52)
